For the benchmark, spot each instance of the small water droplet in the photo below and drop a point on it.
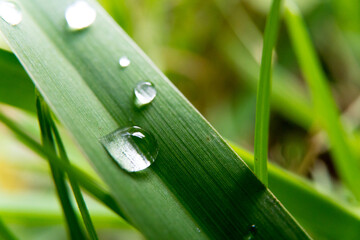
(198, 230)
(252, 232)
(124, 61)
(145, 93)
(253, 229)
(133, 148)
(10, 12)
(79, 15)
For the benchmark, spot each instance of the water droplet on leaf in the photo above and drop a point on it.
(253, 229)
(133, 148)
(79, 15)
(10, 12)
(145, 93)
(252, 232)
(124, 61)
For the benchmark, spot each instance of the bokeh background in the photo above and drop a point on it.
(211, 50)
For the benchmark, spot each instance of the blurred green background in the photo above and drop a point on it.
(211, 51)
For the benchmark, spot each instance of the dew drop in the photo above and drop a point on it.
(124, 61)
(252, 232)
(145, 93)
(133, 148)
(79, 15)
(10, 12)
(253, 229)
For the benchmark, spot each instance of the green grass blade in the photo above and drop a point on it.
(198, 188)
(263, 93)
(326, 110)
(84, 179)
(313, 209)
(14, 82)
(5, 232)
(73, 182)
(73, 225)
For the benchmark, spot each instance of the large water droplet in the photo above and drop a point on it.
(145, 92)
(133, 148)
(79, 15)
(124, 61)
(10, 12)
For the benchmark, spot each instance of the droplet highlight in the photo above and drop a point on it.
(252, 232)
(10, 12)
(124, 61)
(80, 15)
(133, 148)
(145, 93)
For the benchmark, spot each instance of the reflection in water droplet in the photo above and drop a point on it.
(10, 12)
(80, 15)
(145, 92)
(124, 61)
(133, 148)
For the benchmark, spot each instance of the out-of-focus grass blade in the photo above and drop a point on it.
(85, 180)
(42, 209)
(314, 210)
(263, 93)
(73, 225)
(324, 105)
(198, 187)
(348, 14)
(73, 182)
(5, 232)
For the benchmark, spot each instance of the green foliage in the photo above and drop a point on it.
(196, 177)
(197, 188)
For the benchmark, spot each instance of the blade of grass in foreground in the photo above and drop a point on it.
(198, 188)
(5, 232)
(263, 94)
(73, 225)
(74, 185)
(324, 105)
